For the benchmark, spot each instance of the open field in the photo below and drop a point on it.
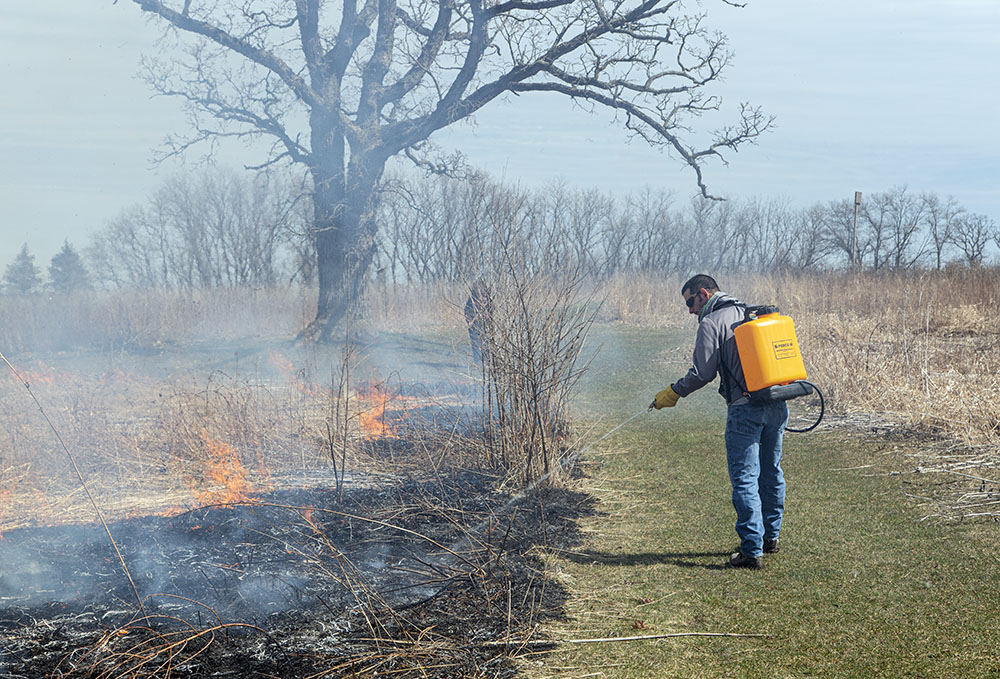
(173, 405)
(146, 388)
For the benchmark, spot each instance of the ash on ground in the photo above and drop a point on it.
(395, 578)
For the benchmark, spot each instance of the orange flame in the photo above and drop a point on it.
(299, 378)
(372, 421)
(225, 475)
(44, 374)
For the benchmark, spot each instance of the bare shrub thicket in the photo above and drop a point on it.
(534, 322)
(534, 336)
(534, 339)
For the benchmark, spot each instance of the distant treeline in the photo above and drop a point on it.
(223, 229)
(441, 229)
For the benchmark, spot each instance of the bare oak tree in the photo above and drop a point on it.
(342, 88)
(972, 234)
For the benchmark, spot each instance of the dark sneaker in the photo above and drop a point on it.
(740, 560)
(771, 546)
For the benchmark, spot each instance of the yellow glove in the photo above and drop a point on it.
(666, 398)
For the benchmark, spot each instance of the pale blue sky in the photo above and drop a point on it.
(867, 95)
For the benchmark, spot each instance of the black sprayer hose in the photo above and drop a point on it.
(822, 408)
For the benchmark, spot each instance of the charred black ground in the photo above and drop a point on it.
(412, 577)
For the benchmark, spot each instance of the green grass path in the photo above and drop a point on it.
(861, 587)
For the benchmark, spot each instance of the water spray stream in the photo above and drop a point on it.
(79, 475)
(563, 463)
(461, 544)
(609, 433)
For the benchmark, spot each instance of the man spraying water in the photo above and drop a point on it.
(754, 431)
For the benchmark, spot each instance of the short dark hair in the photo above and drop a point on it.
(696, 283)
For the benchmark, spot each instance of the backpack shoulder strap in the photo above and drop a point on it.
(726, 377)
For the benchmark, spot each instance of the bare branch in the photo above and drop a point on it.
(505, 7)
(423, 64)
(224, 39)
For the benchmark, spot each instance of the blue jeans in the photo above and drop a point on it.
(753, 454)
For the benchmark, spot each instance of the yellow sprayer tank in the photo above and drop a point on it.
(769, 350)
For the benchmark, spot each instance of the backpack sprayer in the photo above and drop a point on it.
(769, 354)
(772, 363)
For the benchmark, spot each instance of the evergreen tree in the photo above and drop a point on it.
(21, 277)
(67, 272)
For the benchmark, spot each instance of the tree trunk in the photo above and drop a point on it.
(345, 245)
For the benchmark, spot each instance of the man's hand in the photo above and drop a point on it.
(666, 398)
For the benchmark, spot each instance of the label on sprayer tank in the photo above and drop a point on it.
(785, 349)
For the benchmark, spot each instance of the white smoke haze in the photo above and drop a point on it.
(172, 396)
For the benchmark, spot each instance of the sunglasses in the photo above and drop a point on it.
(690, 300)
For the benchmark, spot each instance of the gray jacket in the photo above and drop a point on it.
(715, 340)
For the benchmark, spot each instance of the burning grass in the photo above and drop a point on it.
(275, 523)
(150, 441)
(143, 444)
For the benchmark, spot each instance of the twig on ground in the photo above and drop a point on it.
(606, 640)
(534, 643)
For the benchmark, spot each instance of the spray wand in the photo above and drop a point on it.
(793, 390)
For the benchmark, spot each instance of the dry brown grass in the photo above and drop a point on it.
(916, 353)
(915, 357)
(414, 308)
(143, 319)
(916, 349)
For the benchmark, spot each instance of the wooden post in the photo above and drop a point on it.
(854, 234)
